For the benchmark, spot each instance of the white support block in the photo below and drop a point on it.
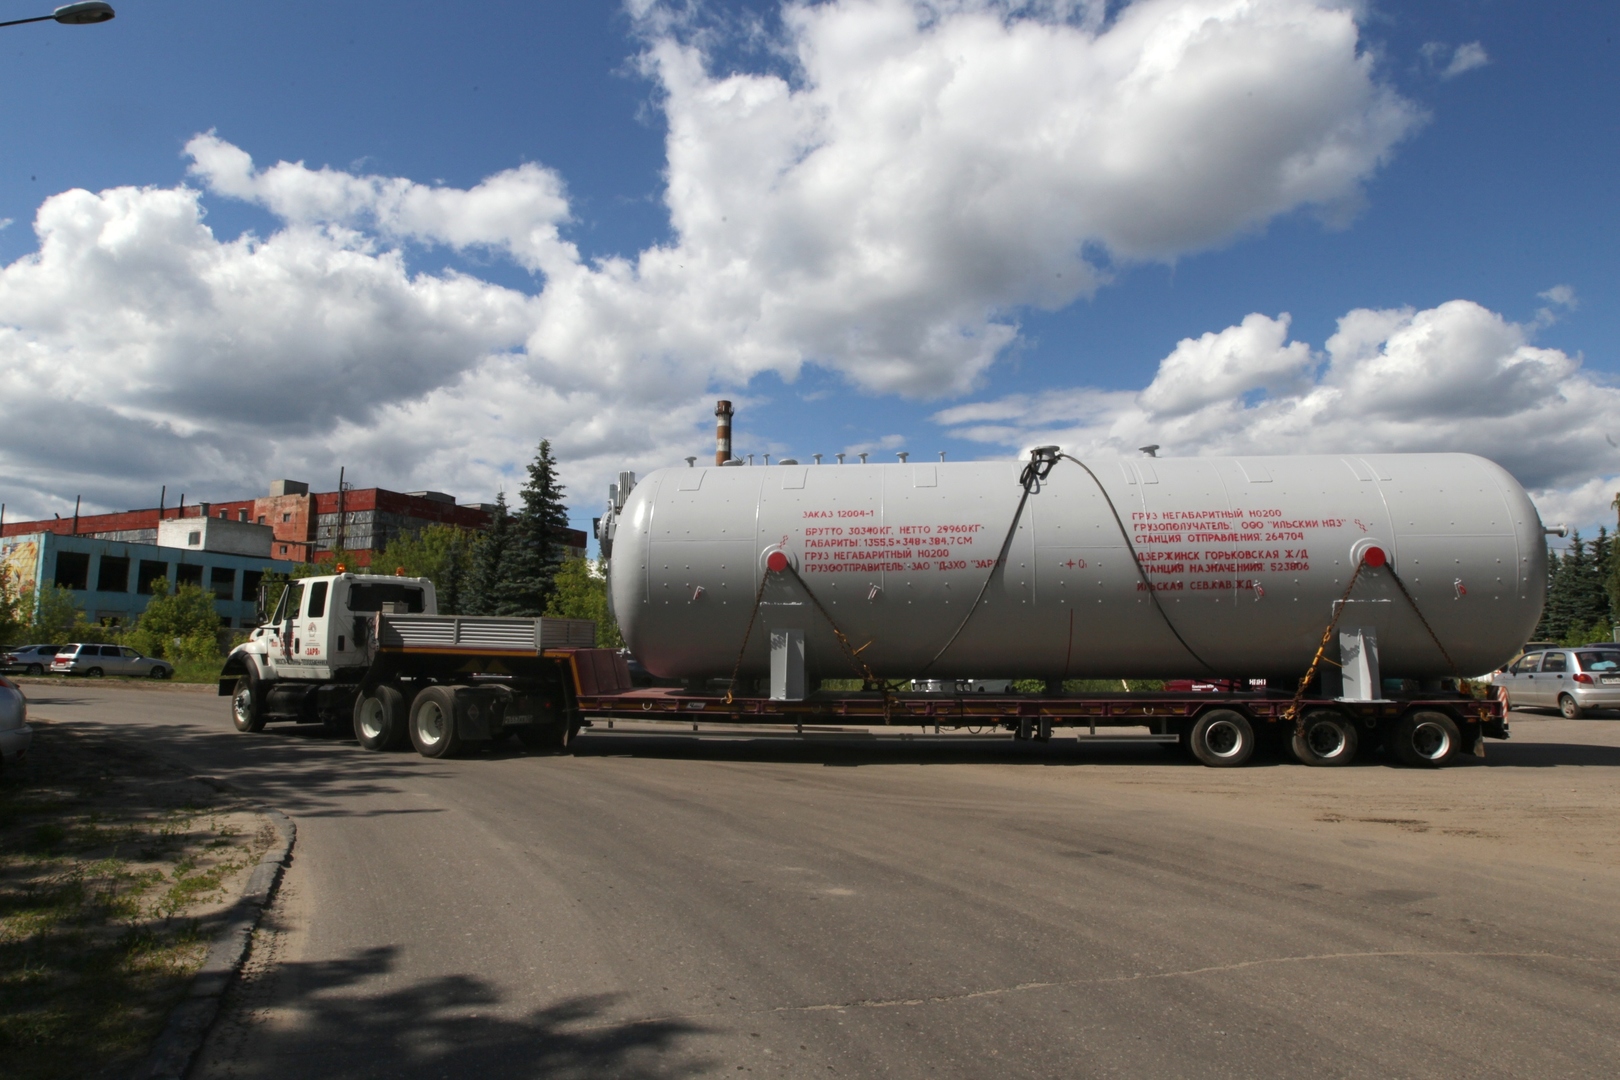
(1358, 655)
(787, 665)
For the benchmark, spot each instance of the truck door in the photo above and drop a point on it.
(292, 603)
(312, 637)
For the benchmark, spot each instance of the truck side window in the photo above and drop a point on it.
(371, 595)
(295, 599)
(317, 600)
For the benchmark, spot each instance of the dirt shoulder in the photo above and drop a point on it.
(115, 868)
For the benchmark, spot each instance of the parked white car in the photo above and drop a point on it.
(15, 734)
(98, 660)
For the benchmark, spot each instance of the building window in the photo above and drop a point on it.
(284, 549)
(150, 572)
(261, 519)
(188, 575)
(224, 514)
(72, 570)
(113, 575)
(241, 515)
(193, 538)
(251, 580)
(286, 517)
(223, 580)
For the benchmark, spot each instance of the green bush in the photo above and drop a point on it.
(580, 592)
(181, 626)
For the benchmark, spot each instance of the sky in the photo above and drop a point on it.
(250, 241)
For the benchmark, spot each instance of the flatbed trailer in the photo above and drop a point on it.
(1220, 729)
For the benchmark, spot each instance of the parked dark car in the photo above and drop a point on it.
(98, 660)
(28, 659)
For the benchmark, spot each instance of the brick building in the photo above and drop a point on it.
(305, 525)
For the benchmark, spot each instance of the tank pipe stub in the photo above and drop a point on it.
(1370, 551)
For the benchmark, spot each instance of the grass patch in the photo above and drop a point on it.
(112, 867)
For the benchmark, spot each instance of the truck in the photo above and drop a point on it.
(1324, 604)
(370, 654)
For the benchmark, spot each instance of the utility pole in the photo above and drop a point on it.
(76, 499)
(341, 470)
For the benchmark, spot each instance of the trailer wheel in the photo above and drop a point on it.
(1222, 738)
(380, 719)
(433, 722)
(1327, 738)
(1569, 708)
(247, 704)
(1426, 739)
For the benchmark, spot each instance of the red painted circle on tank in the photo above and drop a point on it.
(1374, 556)
(777, 562)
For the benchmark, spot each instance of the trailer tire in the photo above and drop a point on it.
(380, 719)
(1222, 739)
(247, 704)
(1327, 737)
(1426, 739)
(433, 722)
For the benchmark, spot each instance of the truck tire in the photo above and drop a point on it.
(1569, 708)
(433, 722)
(1222, 739)
(247, 704)
(1327, 737)
(1426, 739)
(380, 719)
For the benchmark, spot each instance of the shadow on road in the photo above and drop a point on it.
(856, 750)
(328, 1025)
(1546, 755)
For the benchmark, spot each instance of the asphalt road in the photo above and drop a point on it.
(660, 906)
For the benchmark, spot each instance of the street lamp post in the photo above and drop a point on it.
(82, 14)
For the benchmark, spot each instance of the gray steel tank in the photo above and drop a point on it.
(1247, 559)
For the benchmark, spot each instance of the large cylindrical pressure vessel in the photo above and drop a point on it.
(1247, 560)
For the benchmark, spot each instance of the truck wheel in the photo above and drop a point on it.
(433, 722)
(1426, 739)
(247, 705)
(1569, 708)
(1327, 738)
(380, 720)
(1222, 738)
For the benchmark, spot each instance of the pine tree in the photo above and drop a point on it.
(539, 540)
(491, 564)
(1554, 614)
(1594, 609)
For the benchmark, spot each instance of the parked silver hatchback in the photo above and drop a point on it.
(1573, 681)
(98, 660)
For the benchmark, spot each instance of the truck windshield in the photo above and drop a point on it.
(371, 596)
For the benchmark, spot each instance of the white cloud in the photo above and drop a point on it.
(883, 206)
(1449, 62)
(1456, 377)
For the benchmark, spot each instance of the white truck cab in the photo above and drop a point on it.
(320, 624)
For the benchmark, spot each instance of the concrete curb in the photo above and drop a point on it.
(190, 1021)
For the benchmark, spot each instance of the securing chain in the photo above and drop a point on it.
(736, 668)
(1039, 467)
(1292, 712)
(1141, 571)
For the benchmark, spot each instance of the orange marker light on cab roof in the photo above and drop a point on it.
(399, 571)
(341, 568)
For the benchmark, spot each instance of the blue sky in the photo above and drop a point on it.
(1473, 208)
